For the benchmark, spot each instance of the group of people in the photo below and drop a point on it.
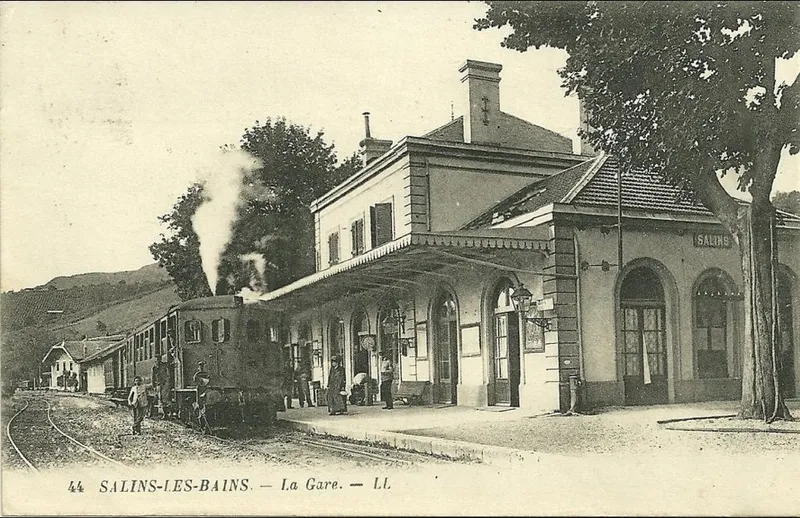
(337, 394)
(296, 378)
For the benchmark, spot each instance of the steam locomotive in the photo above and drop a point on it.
(210, 362)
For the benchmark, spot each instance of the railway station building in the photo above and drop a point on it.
(484, 257)
(65, 364)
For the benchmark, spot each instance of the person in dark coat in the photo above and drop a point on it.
(287, 387)
(302, 376)
(337, 403)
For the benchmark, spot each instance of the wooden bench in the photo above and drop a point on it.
(410, 392)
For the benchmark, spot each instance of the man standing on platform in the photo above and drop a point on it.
(387, 377)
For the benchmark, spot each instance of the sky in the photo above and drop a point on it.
(108, 111)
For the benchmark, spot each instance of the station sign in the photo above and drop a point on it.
(712, 240)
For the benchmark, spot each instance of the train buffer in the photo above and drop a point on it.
(410, 392)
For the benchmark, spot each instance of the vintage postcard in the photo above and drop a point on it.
(399, 258)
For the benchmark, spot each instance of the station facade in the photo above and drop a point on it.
(421, 252)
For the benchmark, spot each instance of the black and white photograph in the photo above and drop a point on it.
(446, 258)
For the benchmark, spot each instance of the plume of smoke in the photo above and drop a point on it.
(256, 265)
(222, 180)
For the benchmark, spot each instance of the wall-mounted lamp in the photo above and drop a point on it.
(521, 298)
(394, 322)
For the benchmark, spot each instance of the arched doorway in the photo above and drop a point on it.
(644, 338)
(786, 373)
(360, 327)
(505, 338)
(445, 350)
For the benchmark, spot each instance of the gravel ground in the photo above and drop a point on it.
(100, 425)
(631, 431)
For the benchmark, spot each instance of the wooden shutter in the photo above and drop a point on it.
(357, 237)
(333, 248)
(381, 223)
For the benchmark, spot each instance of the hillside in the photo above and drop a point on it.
(149, 274)
(65, 300)
(124, 317)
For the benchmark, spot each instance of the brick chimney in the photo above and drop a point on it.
(586, 148)
(372, 148)
(482, 118)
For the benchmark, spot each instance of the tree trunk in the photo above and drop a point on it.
(762, 397)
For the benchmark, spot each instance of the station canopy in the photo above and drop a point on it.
(400, 263)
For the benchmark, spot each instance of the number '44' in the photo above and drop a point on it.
(75, 487)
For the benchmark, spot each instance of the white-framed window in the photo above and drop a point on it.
(220, 330)
(193, 330)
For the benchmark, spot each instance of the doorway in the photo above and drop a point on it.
(643, 335)
(506, 347)
(445, 384)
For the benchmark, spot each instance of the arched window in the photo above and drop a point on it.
(711, 300)
(505, 338)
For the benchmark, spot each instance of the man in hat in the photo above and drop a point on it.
(337, 396)
(387, 377)
(137, 400)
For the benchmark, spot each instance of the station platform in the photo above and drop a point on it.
(391, 428)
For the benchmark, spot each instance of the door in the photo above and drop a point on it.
(506, 359)
(645, 374)
(446, 352)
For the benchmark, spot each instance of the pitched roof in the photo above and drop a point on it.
(594, 183)
(641, 190)
(80, 349)
(534, 196)
(513, 131)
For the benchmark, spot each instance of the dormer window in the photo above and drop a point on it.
(333, 248)
(381, 230)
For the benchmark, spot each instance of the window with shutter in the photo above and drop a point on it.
(381, 230)
(333, 248)
(193, 331)
(357, 237)
(220, 330)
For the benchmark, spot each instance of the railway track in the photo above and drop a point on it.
(44, 441)
(365, 452)
(279, 449)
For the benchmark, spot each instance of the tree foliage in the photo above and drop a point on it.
(178, 249)
(686, 90)
(273, 219)
(787, 201)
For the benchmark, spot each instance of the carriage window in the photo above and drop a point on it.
(194, 331)
(220, 330)
(252, 330)
(711, 329)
